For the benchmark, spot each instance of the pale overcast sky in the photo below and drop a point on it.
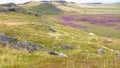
(78, 1)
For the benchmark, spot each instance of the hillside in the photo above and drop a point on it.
(60, 35)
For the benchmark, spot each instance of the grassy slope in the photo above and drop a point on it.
(32, 29)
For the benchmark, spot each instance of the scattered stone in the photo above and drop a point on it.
(25, 43)
(63, 55)
(52, 29)
(14, 43)
(33, 12)
(91, 34)
(66, 47)
(16, 46)
(53, 52)
(4, 10)
(30, 49)
(4, 38)
(57, 54)
(101, 51)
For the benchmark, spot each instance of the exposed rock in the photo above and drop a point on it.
(57, 54)
(52, 29)
(14, 43)
(4, 38)
(30, 49)
(4, 10)
(33, 12)
(37, 14)
(25, 43)
(53, 52)
(18, 9)
(63, 55)
(66, 47)
(101, 51)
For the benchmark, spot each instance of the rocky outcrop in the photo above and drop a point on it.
(33, 13)
(14, 43)
(52, 29)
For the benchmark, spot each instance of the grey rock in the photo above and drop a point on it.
(25, 43)
(63, 55)
(4, 43)
(41, 46)
(4, 10)
(4, 38)
(57, 54)
(52, 29)
(16, 46)
(18, 9)
(37, 14)
(33, 13)
(30, 49)
(66, 47)
(101, 51)
(52, 52)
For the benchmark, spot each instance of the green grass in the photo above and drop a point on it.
(46, 8)
(101, 30)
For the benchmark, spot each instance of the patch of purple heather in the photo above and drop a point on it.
(68, 22)
(98, 19)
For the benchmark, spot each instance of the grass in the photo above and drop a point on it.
(46, 8)
(30, 28)
(35, 30)
(101, 30)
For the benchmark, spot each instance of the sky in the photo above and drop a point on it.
(78, 1)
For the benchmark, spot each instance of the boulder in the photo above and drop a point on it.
(30, 49)
(4, 10)
(52, 29)
(4, 38)
(101, 51)
(52, 52)
(37, 14)
(66, 47)
(33, 13)
(24, 43)
(63, 55)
